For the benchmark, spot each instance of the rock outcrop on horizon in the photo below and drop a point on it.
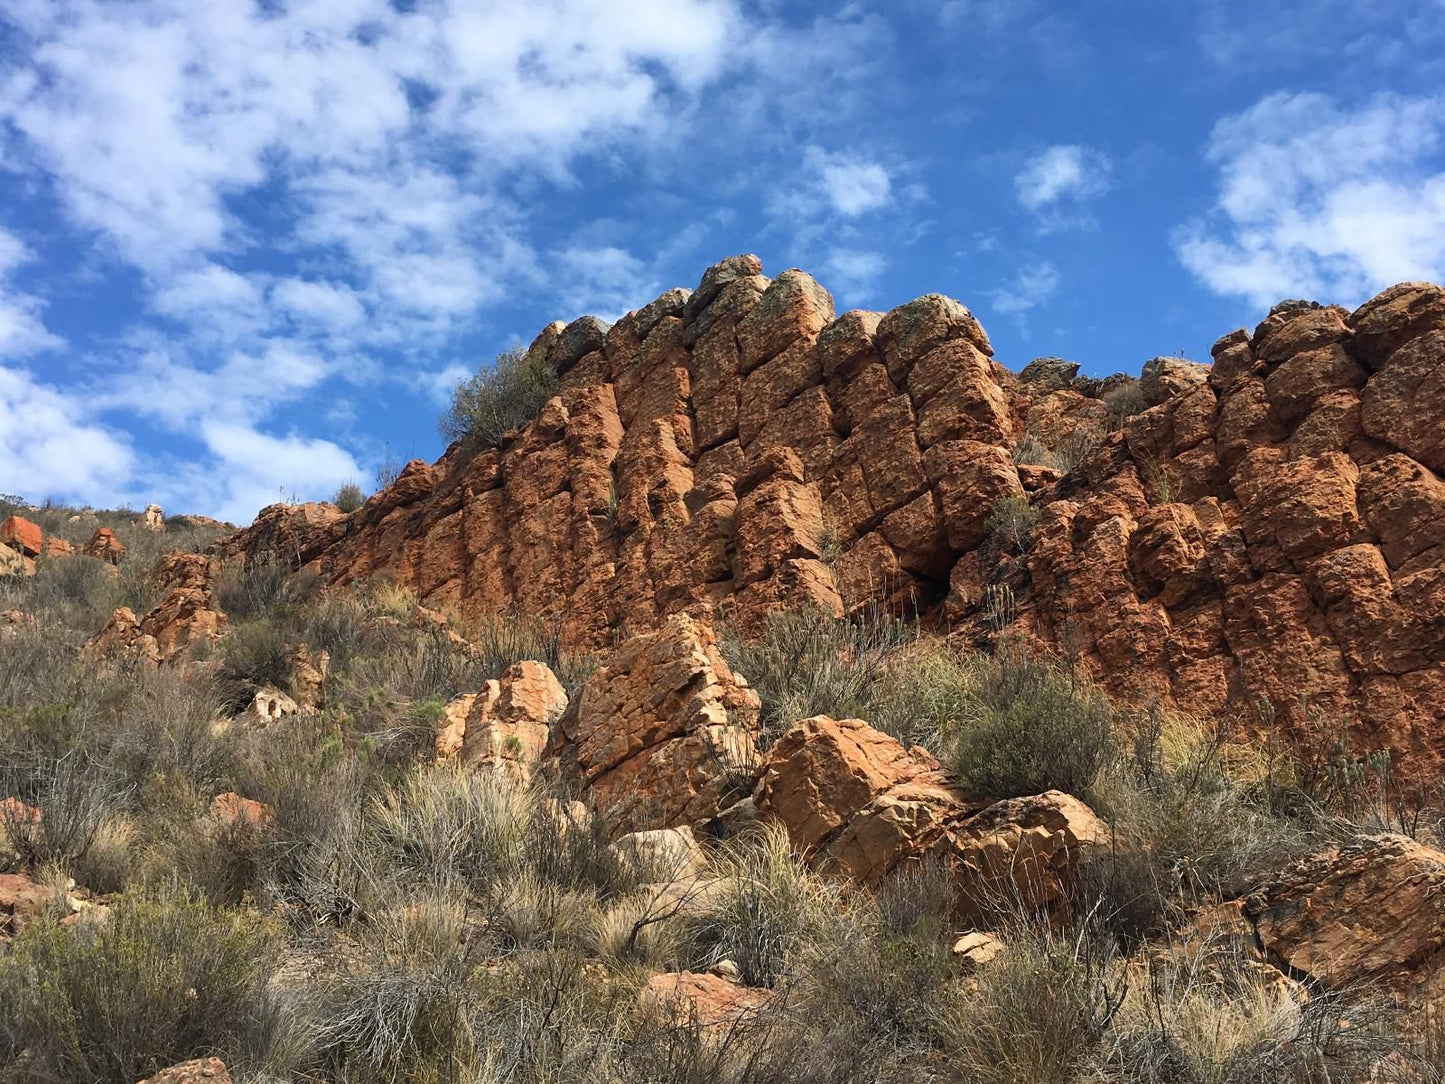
(1273, 529)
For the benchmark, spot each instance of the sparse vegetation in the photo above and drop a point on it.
(488, 406)
(1013, 520)
(349, 497)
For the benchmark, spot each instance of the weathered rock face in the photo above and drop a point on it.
(507, 723)
(1369, 911)
(1274, 526)
(853, 799)
(663, 733)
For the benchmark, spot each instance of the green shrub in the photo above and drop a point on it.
(253, 655)
(349, 497)
(1037, 1013)
(165, 978)
(808, 663)
(767, 906)
(1027, 725)
(488, 406)
(1124, 401)
(1013, 520)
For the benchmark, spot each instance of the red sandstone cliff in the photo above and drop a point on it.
(1274, 531)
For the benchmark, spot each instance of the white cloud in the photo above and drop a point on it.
(1321, 201)
(1030, 288)
(49, 448)
(853, 185)
(260, 469)
(22, 331)
(1061, 174)
(333, 306)
(605, 280)
(306, 186)
(853, 272)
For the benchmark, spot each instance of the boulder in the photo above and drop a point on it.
(664, 732)
(199, 1071)
(22, 536)
(662, 855)
(56, 547)
(1371, 910)
(105, 546)
(507, 723)
(123, 635)
(230, 810)
(1164, 378)
(152, 519)
(22, 900)
(1050, 374)
(306, 673)
(269, 705)
(715, 1005)
(186, 616)
(14, 563)
(979, 949)
(854, 800)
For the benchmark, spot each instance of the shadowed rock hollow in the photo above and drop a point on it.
(1271, 527)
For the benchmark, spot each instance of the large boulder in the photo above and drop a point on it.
(22, 536)
(855, 800)
(507, 723)
(105, 546)
(664, 732)
(1164, 378)
(1371, 910)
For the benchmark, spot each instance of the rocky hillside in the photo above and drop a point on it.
(1271, 527)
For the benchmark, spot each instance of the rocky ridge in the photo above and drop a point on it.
(1272, 528)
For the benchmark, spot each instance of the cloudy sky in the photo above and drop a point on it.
(246, 246)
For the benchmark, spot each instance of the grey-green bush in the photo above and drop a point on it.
(488, 406)
(165, 978)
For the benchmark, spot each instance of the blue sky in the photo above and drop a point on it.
(247, 246)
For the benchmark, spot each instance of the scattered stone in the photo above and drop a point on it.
(979, 949)
(230, 810)
(269, 705)
(663, 854)
(712, 1003)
